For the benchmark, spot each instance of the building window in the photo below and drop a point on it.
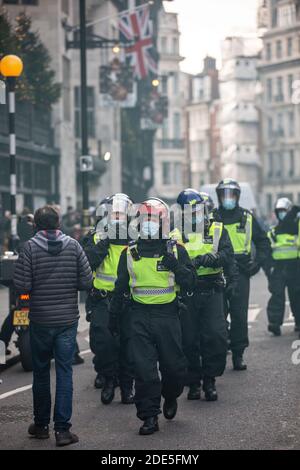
(90, 111)
(177, 126)
(42, 177)
(286, 15)
(290, 85)
(292, 163)
(279, 96)
(269, 51)
(279, 49)
(65, 6)
(269, 90)
(163, 45)
(175, 83)
(280, 125)
(164, 85)
(291, 122)
(67, 89)
(270, 164)
(166, 173)
(270, 127)
(290, 46)
(175, 46)
(165, 129)
(178, 173)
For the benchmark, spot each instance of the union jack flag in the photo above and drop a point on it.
(136, 32)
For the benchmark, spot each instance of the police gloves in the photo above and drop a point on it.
(209, 260)
(170, 262)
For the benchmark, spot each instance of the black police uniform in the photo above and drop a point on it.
(111, 353)
(285, 274)
(238, 303)
(155, 334)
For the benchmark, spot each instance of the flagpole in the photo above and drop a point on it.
(124, 12)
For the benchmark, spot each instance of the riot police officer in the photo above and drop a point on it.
(210, 249)
(103, 247)
(152, 267)
(243, 230)
(285, 243)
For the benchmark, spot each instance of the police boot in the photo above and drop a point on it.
(127, 396)
(108, 391)
(170, 408)
(209, 387)
(275, 329)
(194, 392)
(99, 381)
(238, 362)
(150, 426)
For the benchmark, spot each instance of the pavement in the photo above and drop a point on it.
(257, 409)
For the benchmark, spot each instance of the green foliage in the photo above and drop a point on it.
(37, 83)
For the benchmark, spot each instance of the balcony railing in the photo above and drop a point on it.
(171, 144)
(33, 124)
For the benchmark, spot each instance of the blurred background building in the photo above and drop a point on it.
(279, 71)
(171, 168)
(239, 120)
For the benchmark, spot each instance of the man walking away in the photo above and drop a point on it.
(52, 267)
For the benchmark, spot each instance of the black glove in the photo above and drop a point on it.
(207, 261)
(103, 244)
(254, 268)
(89, 308)
(230, 290)
(170, 262)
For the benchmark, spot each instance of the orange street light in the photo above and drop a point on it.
(11, 66)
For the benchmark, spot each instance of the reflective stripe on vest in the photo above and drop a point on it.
(284, 246)
(196, 247)
(106, 274)
(241, 239)
(149, 285)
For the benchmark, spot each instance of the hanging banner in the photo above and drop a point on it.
(117, 86)
(136, 35)
(154, 109)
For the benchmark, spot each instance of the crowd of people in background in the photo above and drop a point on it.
(71, 225)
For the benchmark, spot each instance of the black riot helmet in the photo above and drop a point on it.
(113, 210)
(229, 193)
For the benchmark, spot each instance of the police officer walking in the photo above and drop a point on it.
(152, 267)
(103, 247)
(243, 230)
(210, 250)
(285, 243)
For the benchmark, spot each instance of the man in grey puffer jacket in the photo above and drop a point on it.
(52, 267)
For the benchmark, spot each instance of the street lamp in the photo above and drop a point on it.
(11, 67)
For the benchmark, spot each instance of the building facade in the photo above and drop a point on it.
(239, 119)
(50, 20)
(170, 145)
(279, 72)
(203, 126)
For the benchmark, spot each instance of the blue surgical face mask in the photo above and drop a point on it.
(149, 228)
(281, 215)
(229, 204)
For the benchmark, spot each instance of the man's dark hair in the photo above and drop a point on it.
(46, 218)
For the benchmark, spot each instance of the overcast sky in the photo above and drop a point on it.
(204, 23)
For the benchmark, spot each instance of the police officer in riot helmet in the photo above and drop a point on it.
(209, 247)
(103, 247)
(285, 243)
(153, 267)
(244, 231)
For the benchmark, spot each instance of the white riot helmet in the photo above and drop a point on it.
(282, 207)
